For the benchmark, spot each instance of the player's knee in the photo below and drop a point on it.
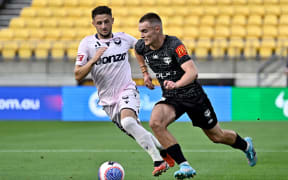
(156, 125)
(128, 122)
(216, 139)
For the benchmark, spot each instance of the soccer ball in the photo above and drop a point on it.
(111, 170)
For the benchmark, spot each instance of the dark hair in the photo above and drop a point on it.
(101, 10)
(151, 17)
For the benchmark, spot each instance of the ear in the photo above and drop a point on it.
(93, 23)
(158, 28)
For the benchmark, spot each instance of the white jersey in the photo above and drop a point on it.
(112, 73)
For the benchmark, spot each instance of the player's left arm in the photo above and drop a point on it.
(188, 77)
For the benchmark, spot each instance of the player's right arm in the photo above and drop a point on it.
(81, 71)
(146, 76)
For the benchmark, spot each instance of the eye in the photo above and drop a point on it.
(99, 23)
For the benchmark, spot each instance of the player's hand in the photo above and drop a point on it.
(99, 53)
(169, 85)
(148, 81)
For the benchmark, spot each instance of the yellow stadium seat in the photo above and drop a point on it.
(283, 2)
(37, 34)
(21, 34)
(206, 32)
(282, 47)
(270, 20)
(56, 3)
(50, 22)
(166, 11)
(182, 11)
(242, 10)
(101, 2)
(136, 11)
(59, 12)
(272, 10)
(26, 49)
(282, 32)
(174, 31)
(40, 3)
(252, 46)
(269, 32)
(190, 32)
(44, 12)
(83, 32)
(84, 23)
(283, 20)
(237, 32)
(42, 49)
(223, 20)
(178, 2)
(132, 3)
(255, 2)
(176, 21)
(209, 2)
(9, 50)
(220, 44)
(87, 3)
(221, 32)
(75, 12)
(17, 23)
(28, 12)
(58, 50)
(117, 3)
(148, 3)
(163, 3)
(190, 45)
(34, 22)
(130, 22)
(238, 20)
(224, 2)
(211, 10)
(191, 21)
(226, 10)
(72, 49)
(239, 2)
(65, 22)
(52, 34)
(120, 12)
(193, 2)
(267, 47)
(6, 34)
(284, 9)
(71, 3)
(254, 20)
(235, 47)
(197, 11)
(270, 2)
(68, 34)
(203, 46)
(253, 32)
(257, 10)
(208, 20)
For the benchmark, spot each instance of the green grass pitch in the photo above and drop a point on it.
(75, 150)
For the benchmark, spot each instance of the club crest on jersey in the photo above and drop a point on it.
(181, 51)
(117, 41)
(155, 56)
(167, 60)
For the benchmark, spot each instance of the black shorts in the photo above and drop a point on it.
(199, 110)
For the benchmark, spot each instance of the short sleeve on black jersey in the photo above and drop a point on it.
(180, 52)
(139, 47)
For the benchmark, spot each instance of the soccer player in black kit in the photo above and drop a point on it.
(182, 93)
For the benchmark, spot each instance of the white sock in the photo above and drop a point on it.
(156, 142)
(142, 137)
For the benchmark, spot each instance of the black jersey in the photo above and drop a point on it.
(166, 62)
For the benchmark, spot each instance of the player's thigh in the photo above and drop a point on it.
(129, 103)
(162, 114)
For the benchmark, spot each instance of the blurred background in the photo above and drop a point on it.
(235, 44)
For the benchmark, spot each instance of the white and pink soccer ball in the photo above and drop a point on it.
(111, 170)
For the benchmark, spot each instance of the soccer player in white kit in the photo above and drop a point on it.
(105, 55)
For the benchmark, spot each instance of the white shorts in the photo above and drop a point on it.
(128, 99)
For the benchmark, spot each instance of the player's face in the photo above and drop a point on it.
(148, 32)
(103, 24)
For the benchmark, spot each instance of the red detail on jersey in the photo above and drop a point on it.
(181, 50)
(80, 57)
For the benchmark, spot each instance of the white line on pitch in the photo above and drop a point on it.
(118, 151)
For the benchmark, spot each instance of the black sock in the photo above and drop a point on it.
(163, 153)
(157, 163)
(240, 143)
(175, 152)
